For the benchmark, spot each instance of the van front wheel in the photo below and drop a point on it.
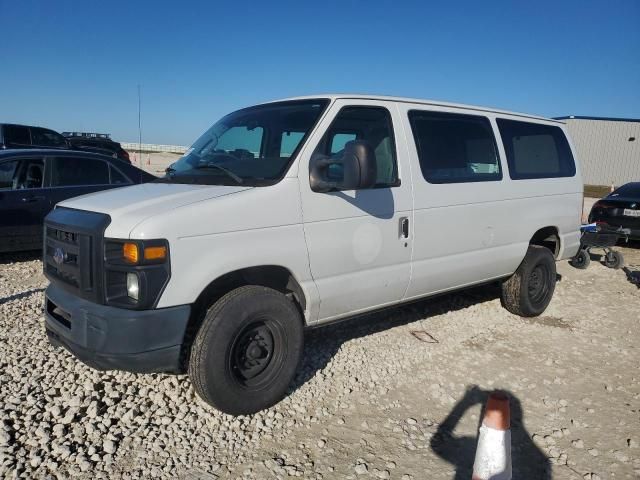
(529, 290)
(247, 350)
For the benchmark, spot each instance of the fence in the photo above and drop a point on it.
(150, 147)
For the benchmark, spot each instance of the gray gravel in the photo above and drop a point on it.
(370, 400)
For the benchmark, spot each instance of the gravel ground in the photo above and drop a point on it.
(395, 394)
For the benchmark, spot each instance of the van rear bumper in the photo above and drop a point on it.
(569, 245)
(109, 338)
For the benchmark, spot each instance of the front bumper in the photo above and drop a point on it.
(110, 338)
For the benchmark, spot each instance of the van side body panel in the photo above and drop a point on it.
(467, 233)
(254, 227)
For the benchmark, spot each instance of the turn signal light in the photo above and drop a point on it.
(130, 252)
(155, 253)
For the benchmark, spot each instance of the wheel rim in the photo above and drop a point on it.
(538, 285)
(256, 355)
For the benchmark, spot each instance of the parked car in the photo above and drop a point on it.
(33, 181)
(293, 214)
(26, 136)
(98, 143)
(621, 208)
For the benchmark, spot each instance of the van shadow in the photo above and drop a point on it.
(527, 459)
(25, 256)
(323, 342)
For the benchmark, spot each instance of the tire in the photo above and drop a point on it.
(529, 290)
(581, 260)
(614, 260)
(247, 350)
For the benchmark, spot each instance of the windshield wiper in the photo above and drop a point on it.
(222, 169)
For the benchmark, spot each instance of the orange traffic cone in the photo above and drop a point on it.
(493, 453)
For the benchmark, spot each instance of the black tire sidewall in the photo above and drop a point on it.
(536, 256)
(222, 326)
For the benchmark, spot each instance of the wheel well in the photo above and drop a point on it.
(547, 237)
(272, 276)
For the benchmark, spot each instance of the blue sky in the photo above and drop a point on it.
(75, 65)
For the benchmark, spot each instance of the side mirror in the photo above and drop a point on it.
(354, 169)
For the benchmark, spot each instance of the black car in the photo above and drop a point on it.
(33, 181)
(621, 208)
(27, 136)
(96, 142)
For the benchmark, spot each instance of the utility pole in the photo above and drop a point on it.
(139, 126)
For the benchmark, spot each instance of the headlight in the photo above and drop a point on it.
(135, 272)
(133, 286)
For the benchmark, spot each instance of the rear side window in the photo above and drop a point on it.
(536, 151)
(71, 171)
(16, 135)
(454, 148)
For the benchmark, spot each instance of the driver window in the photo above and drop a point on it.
(339, 140)
(241, 141)
(371, 124)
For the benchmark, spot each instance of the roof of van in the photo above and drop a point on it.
(335, 96)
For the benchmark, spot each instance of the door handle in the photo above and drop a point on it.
(404, 227)
(32, 199)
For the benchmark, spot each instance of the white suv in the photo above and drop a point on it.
(294, 213)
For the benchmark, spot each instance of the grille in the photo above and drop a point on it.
(67, 258)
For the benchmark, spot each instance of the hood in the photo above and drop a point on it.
(128, 206)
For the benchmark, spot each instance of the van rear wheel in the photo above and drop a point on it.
(529, 290)
(247, 350)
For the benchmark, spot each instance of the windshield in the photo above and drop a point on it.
(253, 146)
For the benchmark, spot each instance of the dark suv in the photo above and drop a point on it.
(33, 181)
(96, 142)
(26, 136)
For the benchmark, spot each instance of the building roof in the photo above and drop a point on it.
(606, 119)
(336, 96)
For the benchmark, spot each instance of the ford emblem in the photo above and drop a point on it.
(59, 256)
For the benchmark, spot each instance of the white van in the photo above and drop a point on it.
(290, 214)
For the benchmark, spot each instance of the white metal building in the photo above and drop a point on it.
(607, 148)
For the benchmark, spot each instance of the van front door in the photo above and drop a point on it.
(359, 241)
